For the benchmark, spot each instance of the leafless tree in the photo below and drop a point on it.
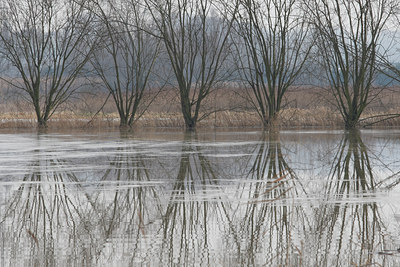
(196, 37)
(273, 47)
(45, 43)
(125, 62)
(349, 35)
(389, 62)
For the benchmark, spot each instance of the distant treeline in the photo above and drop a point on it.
(128, 47)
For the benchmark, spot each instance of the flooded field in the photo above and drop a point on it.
(309, 198)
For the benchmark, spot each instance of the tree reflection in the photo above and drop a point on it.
(351, 170)
(346, 231)
(278, 180)
(193, 215)
(126, 204)
(196, 203)
(44, 202)
(268, 218)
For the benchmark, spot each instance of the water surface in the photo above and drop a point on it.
(294, 198)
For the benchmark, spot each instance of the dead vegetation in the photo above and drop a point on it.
(304, 107)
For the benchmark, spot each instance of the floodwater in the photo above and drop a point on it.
(294, 198)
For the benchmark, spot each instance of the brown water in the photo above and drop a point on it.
(309, 198)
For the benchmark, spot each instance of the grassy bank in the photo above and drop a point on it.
(289, 118)
(309, 107)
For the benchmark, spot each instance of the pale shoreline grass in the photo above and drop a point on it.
(318, 117)
(303, 108)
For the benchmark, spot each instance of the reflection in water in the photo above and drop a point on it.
(351, 172)
(189, 221)
(44, 203)
(195, 202)
(126, 206)
(266, 223)
(348, 232)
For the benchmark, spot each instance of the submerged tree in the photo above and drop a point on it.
(196, 38)
(349, 35)
(275, 48)
(125, 61)
(45, 44)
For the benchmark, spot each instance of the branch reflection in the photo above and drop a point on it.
(348, 231)
(191, 202)
(126, 206)
(194, 216)
(45, 201)
(268, 219)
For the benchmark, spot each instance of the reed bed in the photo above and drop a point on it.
(304, 108)
(289, 118)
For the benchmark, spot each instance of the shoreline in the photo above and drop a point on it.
(291, 118)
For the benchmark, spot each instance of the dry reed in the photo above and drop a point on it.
(303, 108)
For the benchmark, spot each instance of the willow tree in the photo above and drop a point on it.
(125, 60)
(196, 38)
(349, 35)
(45, 44)
(273, 47)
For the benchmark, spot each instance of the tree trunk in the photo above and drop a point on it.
(41, 123)
(271, 122)
(41, 120)
(351, 122)
(123, 122)
(190, 124)
(190, 121)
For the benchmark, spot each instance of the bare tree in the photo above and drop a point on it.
(389, 62)
(45, 43)
(349, 35)
(273, 47)
(196, 38)
(125, 62)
